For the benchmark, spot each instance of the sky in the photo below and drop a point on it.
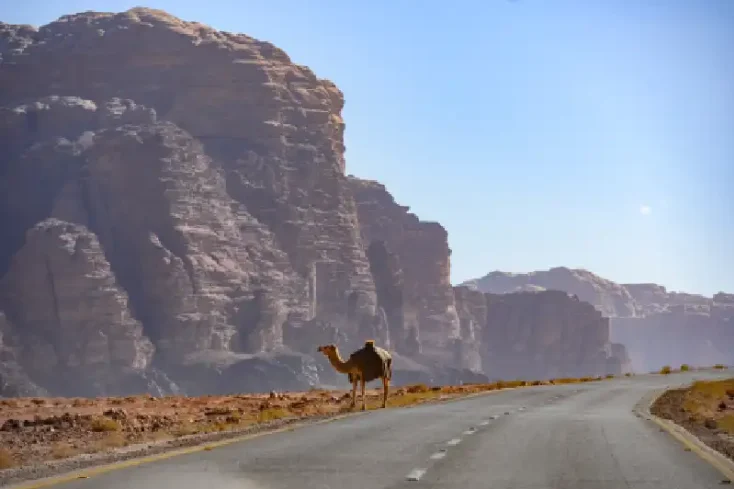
(590, 134)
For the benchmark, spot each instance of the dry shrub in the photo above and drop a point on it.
(416, 388)
(665, 370)
(685, 367)
(63, 450)
(105, 425)
(271, 414)
(112, 440)
(609, 376)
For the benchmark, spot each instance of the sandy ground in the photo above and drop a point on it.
(706, 409)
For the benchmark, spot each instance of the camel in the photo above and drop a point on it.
(364, 365)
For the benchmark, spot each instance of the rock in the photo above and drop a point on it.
(711, 424)
(538, 335)
(422, 251)
(76, 317)
(610, 298)
(657, 327)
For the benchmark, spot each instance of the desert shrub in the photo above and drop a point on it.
(105, 425)
(719, 366)
(415, 388)
(62, 450)
(685, 367)
(665, 370)
(112, 440)
(628, 374)
(271, 414)
(610, 376)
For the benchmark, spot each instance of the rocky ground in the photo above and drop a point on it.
(706, 409)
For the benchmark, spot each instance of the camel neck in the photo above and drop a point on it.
(336, 361)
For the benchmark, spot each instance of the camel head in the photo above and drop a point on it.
(327, 350)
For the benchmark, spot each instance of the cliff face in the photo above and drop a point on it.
(171, 195)
(539, 335)
(423, 252)
(658, 327)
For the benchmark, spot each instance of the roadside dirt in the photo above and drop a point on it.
(705, 409)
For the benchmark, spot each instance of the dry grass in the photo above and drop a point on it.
(666, 370)
(6, 459)
(63, 450)
(271, 414)
(105, 425)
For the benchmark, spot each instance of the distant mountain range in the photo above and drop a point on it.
(656, 326)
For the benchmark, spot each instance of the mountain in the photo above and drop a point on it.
(175, 217)
(658, 327)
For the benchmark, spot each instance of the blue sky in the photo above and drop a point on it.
(594, 134)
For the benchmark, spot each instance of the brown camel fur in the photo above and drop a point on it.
(364, 365)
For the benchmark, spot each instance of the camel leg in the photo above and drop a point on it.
(385, 389)
(354, 394)
(364, 402)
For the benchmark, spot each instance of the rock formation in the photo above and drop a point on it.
(539, 335)
(422, 251)
(609, 297)
(658, 327)
(176, 217)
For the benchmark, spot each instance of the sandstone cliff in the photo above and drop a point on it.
(539, 335)
(176, 217)
(658, 327)
(609, 297)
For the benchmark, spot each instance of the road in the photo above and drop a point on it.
(579, 436)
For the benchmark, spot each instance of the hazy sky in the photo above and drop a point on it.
(595, 134)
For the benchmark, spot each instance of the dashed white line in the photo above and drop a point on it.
(484, 423)
(438, 455)
(469, 432)
(454, 441)
(493, 417)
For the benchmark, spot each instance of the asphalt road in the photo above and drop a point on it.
(582, 436)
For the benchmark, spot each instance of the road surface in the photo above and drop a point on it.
(579, 436)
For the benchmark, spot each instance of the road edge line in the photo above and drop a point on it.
(716, 459)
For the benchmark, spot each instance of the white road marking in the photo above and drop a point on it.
(493, 417)
(438, 455)
(415, 474)
(469, 432)
(484, 423)
(454, 441)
